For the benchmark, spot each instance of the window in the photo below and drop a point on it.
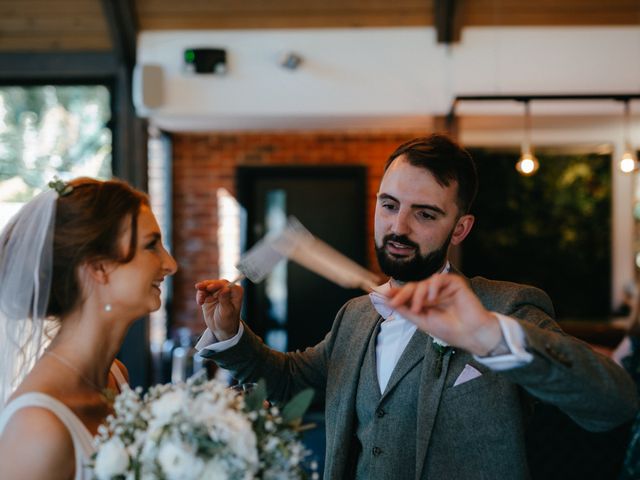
(48, 131)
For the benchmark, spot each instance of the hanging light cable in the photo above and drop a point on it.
(527, 164)
(628, 162)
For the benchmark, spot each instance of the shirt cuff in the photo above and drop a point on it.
(208, 341)
(514, 337)
(623, 350)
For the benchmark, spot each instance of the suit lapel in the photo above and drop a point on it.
(412, 355)
(429, 397)
(430, 394)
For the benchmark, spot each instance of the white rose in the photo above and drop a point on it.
(178, 462)
(112, 459)
(165, 407)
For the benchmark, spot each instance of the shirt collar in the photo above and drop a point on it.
(379, 296)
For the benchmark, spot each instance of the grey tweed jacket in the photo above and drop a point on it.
(471, 431)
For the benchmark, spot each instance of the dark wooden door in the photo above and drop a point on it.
(294, 308)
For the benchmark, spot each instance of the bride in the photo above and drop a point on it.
(78, 265)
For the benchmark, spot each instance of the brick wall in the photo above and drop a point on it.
(202, 163)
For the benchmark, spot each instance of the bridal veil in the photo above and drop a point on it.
(26, 265)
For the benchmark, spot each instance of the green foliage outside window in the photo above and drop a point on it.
(52, 130)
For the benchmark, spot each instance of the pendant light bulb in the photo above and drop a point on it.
(628, 162)
(527, 165)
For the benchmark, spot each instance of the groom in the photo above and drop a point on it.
(399, 403)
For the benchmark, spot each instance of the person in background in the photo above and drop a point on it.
(78, 265)
(627, 354)
(433, 374)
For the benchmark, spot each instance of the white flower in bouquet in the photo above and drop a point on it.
(112, 459)
(178, 461)
(236, 430)
(215, 470)
(201, 430)
(167, 405)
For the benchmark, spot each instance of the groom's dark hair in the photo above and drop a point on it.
(446, 160)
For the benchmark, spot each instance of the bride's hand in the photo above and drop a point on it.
(221, 302)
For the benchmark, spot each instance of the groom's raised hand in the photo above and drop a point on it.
(445, 306)
(221, 302)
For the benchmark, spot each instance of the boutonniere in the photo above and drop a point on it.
(442, 349)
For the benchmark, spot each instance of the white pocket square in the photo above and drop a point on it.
(469, 373)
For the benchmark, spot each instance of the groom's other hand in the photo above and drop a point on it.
(221, 302)
(445, 306)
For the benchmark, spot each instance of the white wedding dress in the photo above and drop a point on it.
(82, 439)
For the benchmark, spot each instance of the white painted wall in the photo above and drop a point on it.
(345, 72)
(400, 78)
(378, 72)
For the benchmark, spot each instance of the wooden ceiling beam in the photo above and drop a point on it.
(447, 20)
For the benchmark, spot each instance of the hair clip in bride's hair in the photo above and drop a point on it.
(60, 186)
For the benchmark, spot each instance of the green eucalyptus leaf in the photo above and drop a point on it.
(255, 399)
(297, 406)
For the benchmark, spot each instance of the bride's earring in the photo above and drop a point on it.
(107, 307)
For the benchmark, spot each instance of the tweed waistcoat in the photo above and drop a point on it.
(386, 423)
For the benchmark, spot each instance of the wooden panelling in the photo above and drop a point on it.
(61, 25)
(37, 25)
(221, 14)
(549, 12)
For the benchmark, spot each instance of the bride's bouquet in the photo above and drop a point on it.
(199, 430)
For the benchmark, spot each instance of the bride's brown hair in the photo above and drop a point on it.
(89, 221)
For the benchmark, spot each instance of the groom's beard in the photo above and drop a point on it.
(415, 268)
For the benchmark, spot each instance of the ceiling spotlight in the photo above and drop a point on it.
(291, 61)
(527, 164)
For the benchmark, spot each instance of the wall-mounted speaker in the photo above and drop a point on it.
(148, 86)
